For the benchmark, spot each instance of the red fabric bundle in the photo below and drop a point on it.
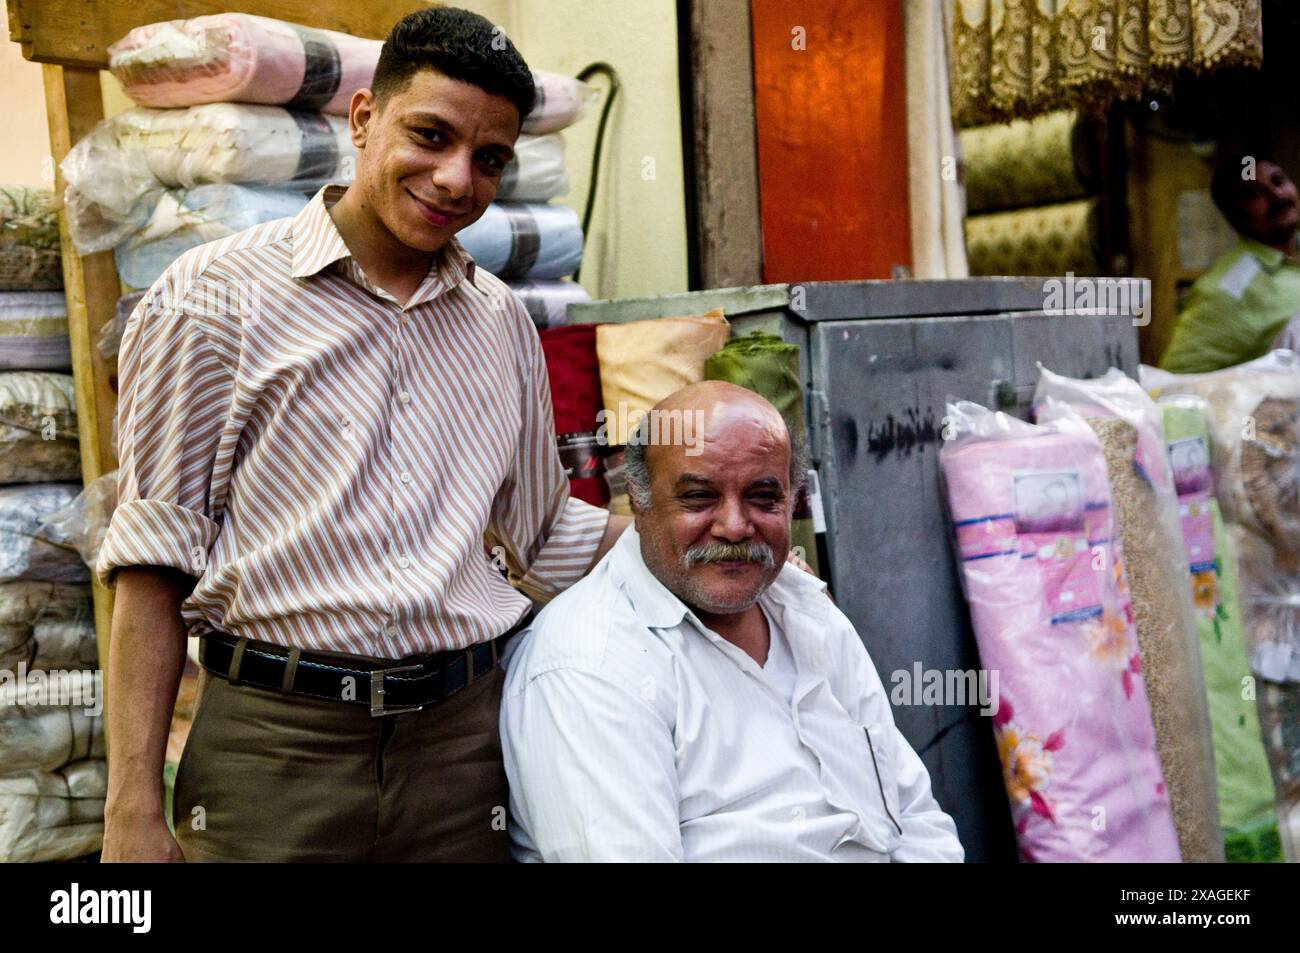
(576, 398)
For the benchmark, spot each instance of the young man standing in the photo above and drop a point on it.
(308, 481)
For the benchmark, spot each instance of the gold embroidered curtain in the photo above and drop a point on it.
(1024, 57)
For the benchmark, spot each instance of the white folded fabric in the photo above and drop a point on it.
(116, 172)
(46, 625)
(52, 816)
(46, 737)
(25, 552)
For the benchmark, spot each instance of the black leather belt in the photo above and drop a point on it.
(415, 684)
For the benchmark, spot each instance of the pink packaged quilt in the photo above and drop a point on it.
(1050, 607)
(241, 58)
(237, 57)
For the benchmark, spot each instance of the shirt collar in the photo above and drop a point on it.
(658, 608)
(318, 244)
(1271, 258)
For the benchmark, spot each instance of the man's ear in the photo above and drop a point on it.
(361, 112)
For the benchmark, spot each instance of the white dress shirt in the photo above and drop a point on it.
(632, 732)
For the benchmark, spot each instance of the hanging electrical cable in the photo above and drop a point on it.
(614, 88)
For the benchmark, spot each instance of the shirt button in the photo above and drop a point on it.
(404, 397)
(403, 562)
(406, 476)
(391, 630)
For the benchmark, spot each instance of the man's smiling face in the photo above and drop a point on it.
(432, 156)
(716, 531)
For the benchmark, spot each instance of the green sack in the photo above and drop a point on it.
(1244, 781)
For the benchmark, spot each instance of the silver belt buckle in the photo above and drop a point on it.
(377, 707)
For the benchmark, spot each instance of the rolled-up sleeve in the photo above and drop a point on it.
(174, 400)
(549, 538)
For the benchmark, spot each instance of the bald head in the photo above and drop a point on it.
(682, 423)
(713, 476)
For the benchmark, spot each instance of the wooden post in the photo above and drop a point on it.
(730, 236)
(73, 105)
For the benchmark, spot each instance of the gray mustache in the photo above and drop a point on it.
(725, 552)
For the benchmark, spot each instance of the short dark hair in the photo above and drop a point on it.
(1229, 182)
(458, 44)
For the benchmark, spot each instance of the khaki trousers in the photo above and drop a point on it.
(267, 776)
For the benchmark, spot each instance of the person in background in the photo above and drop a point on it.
(329, 486)
(694, 699)
(1244, 306)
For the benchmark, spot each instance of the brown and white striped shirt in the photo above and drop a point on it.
(339, 471)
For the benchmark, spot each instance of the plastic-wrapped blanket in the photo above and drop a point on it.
(53, 816)
(1243, 401)
(237, 57)
(38, 428)
(25, 550)
(116, 172)
(183, 219)
(1245, 785)
(82, 523)
(1270, 597)
(547, 302)
(1145, 506)
(1254, 428)
(46, 625)
(537, 172)
(525, 240)
(34, 331)
(560, 102)
(1044, 578)
(49, 719)
(29, 240)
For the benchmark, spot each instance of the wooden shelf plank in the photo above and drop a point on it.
(78, 32)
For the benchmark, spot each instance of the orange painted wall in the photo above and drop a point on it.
(832, 138)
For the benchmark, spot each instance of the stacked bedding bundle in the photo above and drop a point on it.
(1145, 500)
(1252, 418)
(52, 772)
(29, 240)
(1044, 576)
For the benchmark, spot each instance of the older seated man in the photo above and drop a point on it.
(696, 698)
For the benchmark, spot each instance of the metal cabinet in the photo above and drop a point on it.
(880, 360)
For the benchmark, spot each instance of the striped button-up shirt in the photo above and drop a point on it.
(340, 471)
